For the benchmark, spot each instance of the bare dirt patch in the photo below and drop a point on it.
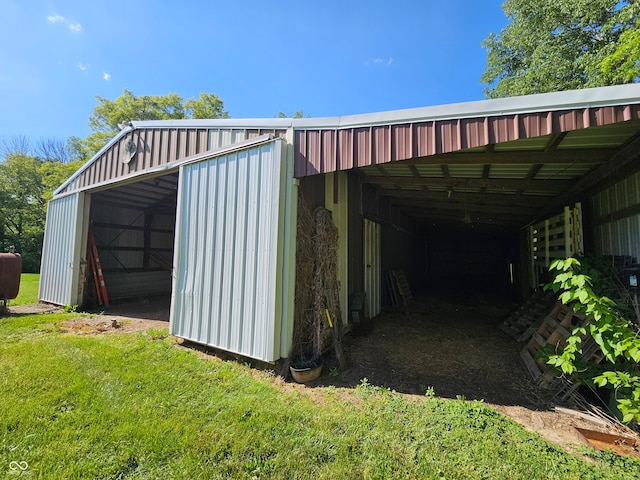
(136, 315)
(111, 324)
(459, 352)
(32, 309)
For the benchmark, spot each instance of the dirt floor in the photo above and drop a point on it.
(450, 345)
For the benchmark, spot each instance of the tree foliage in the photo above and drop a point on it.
(555, 45)
(297, 114)
(624, 63)
(110, 116)
(29, 173)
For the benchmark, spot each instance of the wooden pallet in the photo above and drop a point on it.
(554, 330)
(521, 324)
(399, 290)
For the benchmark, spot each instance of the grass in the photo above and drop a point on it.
(28, 292)
(140, 407)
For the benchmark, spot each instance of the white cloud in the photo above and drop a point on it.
(382, 62)
(75, 27)
(83, 66)
(106, 76)
(55, 18)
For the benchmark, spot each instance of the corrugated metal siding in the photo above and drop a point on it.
(372, 267)
(327, 150)
(138, 284)
(617, 218)
(60, 267)
(227, 246)
(159, 146)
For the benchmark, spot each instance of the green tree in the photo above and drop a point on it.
(29, 174)
(623, 65)
(208, 105)
(297, 114)
(22, 207)
(555, 45)
(110, 116)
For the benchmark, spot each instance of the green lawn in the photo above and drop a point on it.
(139, 407)
(28, 292)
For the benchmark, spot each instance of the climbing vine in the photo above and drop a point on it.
(617, 338)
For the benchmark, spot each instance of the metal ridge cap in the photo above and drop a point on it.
(216, 123)
(524, 104)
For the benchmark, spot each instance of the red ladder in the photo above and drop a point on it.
(101, 288)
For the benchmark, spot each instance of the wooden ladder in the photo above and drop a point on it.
(96, 268)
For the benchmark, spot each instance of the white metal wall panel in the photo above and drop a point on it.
(226, 278)
(60, 266)
(372, 267)
(618, 233)
(337, 189)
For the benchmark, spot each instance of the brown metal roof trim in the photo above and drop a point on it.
(329, 150)
(154, 147)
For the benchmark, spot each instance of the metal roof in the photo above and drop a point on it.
(502, 162)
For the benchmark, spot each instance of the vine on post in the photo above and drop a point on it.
(616, 336)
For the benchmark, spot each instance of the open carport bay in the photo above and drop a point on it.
(457, 350)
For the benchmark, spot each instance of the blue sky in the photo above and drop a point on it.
(326, 58)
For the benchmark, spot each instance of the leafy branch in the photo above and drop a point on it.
(617, 338)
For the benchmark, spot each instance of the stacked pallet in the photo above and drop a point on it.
(554, 330)
(523, 322)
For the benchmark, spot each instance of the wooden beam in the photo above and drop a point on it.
(435, 215)
(495, 183)
(556, 139)
(470, 207)
(533, 201)
(577, 155)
